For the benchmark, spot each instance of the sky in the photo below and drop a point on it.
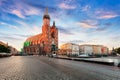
(78, 21)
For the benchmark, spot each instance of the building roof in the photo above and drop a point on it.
(37, 37)
(2, 43)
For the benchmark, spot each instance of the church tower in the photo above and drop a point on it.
(54, 38)
(46, 32)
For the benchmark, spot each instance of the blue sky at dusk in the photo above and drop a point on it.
(78, 21)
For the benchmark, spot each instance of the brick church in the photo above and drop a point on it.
(45, 42)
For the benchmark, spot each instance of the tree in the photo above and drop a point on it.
(114, 53)
(4, 49)
(117, 50)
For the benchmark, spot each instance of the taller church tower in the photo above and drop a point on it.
(46, 32)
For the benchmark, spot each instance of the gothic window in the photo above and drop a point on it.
(53, 35)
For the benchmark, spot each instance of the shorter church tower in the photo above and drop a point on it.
(54, 38)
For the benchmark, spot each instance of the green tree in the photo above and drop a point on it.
(114, 52)
(117, 50)
(4, 49)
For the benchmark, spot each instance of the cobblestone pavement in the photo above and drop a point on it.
(44, 68)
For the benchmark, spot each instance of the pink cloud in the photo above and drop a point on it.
(101, 14)
(66, 6)
(21, 10)
(87, 24)
(18, 13)
(32, 11)
(107, 16)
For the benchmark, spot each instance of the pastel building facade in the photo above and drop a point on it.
(69, 48)
(94, 49)
(13, 50)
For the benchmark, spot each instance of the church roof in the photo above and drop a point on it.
(37, 37)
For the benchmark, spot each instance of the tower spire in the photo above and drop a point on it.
(46, 15)
(46, 11)
(53, 23)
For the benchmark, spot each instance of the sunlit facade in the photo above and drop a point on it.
(69, 48)
(44, 43)
(13, 50)
(93, 49)
(6, 45)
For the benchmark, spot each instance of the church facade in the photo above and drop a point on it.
(45, 42)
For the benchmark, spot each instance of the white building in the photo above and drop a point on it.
(88, 49)
(13, 50)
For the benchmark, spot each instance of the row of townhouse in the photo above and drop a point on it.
(70, 48)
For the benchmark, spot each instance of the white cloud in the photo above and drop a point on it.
(25, 11)
(9, 25)
(21, 10)
(108, 16)
(30, 29)
(13, 27)
(87, 24)
(2, 23)
(32, 11)
(22, 23)
(66, 6)
(86, 8)
(18, 13)
(102, 14)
